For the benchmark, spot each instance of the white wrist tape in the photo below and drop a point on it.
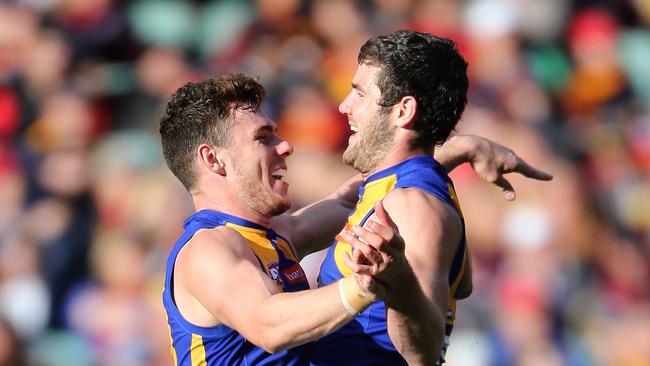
(352, 311)
(344, 293)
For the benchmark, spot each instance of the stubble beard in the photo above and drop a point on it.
(260, 198)
(372, 145)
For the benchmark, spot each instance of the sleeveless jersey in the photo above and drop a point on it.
(365, 340)
(194, 345)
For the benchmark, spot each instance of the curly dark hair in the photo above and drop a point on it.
(199, 113)
(424, 66)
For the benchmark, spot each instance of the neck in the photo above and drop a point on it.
(229, 203)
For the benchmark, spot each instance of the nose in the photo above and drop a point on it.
(284, 148)
(344, 107)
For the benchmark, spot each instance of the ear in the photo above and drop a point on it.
(406, 110)
(210, 160)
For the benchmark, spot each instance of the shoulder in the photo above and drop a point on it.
(413, 200)
(418, 208)
(213, 246)
(432, 230)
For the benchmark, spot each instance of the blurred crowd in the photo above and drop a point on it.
(88, 209)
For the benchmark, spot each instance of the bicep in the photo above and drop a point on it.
(212, 273)
(431, 230)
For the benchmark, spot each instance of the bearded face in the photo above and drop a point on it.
(370, 144)
(373, 135)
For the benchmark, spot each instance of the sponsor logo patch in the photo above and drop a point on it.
(294, 274)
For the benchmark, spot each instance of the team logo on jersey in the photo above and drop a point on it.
(274, 268)
(294, 274)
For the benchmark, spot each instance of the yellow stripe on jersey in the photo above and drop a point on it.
(374, 191)
(259, 244)
(454, 198)
(459, 276)
(286, 249)
(197, 351)
(171, 341)
(451, 310)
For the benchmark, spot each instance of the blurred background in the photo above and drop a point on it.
(88, 209)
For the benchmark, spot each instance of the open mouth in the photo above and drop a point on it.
(279, 173)
(354, 129)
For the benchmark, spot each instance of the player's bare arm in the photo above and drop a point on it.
(417, 306)
(313, 227)
(208, 290)
(418, 290)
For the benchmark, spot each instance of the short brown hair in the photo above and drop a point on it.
(427, 67)
(199, 113)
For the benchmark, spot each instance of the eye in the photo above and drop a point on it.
(262, 139)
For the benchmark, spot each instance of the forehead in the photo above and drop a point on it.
(366, 77)
(247, 122)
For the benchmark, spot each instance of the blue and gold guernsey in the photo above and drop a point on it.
(220, 345)
(365, 340)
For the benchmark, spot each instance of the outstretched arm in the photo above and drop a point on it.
(488, 159)
(313, 227)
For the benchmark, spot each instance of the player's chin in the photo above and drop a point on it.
(349, 156)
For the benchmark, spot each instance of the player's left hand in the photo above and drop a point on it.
(378, 248)
(491, 161)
